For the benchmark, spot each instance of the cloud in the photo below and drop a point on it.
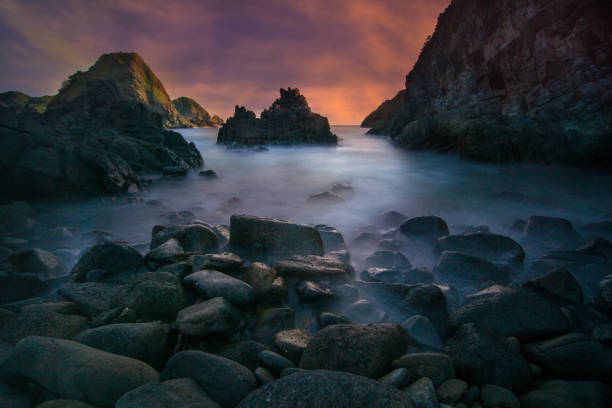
(346, 56)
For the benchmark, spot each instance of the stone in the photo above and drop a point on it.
(195, 237)
(391, 219)
(564, 357)
(224, 381)
(451, 391)
(75, 371)
(363, 349)
(325, 319)
(326, 198)
(263, 376)
(387, 259)
(311, 267)
(182, 392)
(225, 261)
(428, 228)
(90, 298)
(568, 394)
(245, 352)
(39, 262)
(114, 258)
(464, 270)
(422, 332)
(497, 249)
(538, 226)
(560, 285)
(331, 237)
(480, 357)
(292, 343)
(192, 114)
(408, 276)
(270, 322)
(493, 396)
(268, 239)
(215, 317)
(398, 378)
(423, 393)
(436, 366)
(210, 284)
(148, 342)
(274, 361)
(267, 284)
(326, 389)
(312, 292)
(166, 253)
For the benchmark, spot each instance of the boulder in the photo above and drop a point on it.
(326, 198)
(179, 393)
(540, 226)
(574, 356)
(268, 239)
(292, 343)
(497, 249)
(422, 333)
(559, 285)
(212, 318)
(267, 284)
(311, 267)
(398, 378)
(263, 375)
(482, 357)
(166, 253)
(436, 366)
(118, 261)
(39, 262)
(451, 391)
(387, 259)
(148, 342)
(75, 371)
(47, 319)
(272, 321)
(521, 313)
(332, 239)
(568, 394)
(90, 298)
(361, 349)
(408, 276)
(21, 286)
(213, 284)
(390, 219)
(493, 396)
(245, 352)
(274, 361)
(64, 403)
(224, 381)
(325, 319)
(423, 393)
(463, 270)
(196, 238)
(223, 262)
(308, 291)
(428, 228)
(326, 389)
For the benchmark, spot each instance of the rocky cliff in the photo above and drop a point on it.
(288, 121)
(193, 114)
(19, 101)
(510, 80)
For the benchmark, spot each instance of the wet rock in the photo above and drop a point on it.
(325, 319)
(75, 371)
(20, 286)
(179, 393)
(487, 292)
(274, 362)
(272, 321)
(560, 285)
(493, 396)
(311, 267)
(423, 393)
(326, 389)
(428, 228)
(90, 298)
(312, 292)
(212, 284)
(223, 262)
(422, 333)
(439, 367)
(332, 239)
(39, 262)
(292, 343)
(194, 237)
(520, 313)
(179, 269)
(326, 197)
(166, 253)
(149, 296)
(361, 349)
(387, 259)
(451, 391)
(215, 317)
(568, 394)
(408, 276)
(118, 261)
(266, 283)
(272, 239)
(263, 376)
(540, 226)
(148, 342)
(564, 357)
(47, 319)
(481, 357)
(497, 249)
(464, 270)
(224, 381)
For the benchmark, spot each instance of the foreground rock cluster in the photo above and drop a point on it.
(288, 121)
(268, 313)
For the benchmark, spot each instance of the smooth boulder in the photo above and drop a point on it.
(178, 393)
(116, 260)
(494, 248)
(210, 284)
(311, 267)
(568, 394)
(212, 318)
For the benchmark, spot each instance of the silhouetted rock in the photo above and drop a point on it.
(288, 121)
(536, 92)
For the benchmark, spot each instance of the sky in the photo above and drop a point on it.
(346, 56)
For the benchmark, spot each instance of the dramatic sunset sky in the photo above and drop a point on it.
(346, 56)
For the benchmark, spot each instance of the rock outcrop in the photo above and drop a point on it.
(511, 80)
(193, 114)
(18, 100)
(288, 121)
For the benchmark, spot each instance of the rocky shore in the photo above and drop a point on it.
(288, 121)
(409, 312)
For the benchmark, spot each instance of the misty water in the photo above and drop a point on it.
(278, 182)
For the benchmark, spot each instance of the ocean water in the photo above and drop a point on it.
(278, 182)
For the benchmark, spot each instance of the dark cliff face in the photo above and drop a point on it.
(289, 121)
(511, 80)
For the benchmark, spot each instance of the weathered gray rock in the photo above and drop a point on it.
(325, 319)
(75, 371)
(422, 333)
(274, 361)
(267, 284)
(331, 237)
(436, 366)
(225, 261)
(408, 276)
(90, 298)
(166, 253)
(326, 389)
(148, 342)
(539, 226)
(309, 291)
(263, 376)
(428, 228)
(210, 284)
(559, 285)
(272, 321)
(398, 378)
(196, 237)
(269, 239)
(361, 349)
(215, 317)
(179, 393)
(224, 381)
(387, 259)
(464, 270)
(39, 262)
(118, 261)
(494, 248)
(481, 357)
(292, 343)
(451, 391)
(245, 352)
(423, 393)
(493, 396)
(568, 394)
(311, 267)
